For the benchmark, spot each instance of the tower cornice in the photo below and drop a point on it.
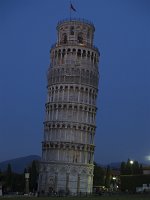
(74, 21)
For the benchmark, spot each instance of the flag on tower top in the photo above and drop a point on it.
(72, 7)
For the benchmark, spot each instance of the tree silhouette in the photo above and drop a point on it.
(99, 175)
(8, 178)
(33, 170)
(108, 177)
(131, 169)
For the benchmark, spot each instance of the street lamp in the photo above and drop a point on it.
(114, 183)
(27, 176)
(131, 162)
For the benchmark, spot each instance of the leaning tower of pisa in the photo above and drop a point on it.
(69, 127)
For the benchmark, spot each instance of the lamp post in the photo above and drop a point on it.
(114, 183)
(27, 176)
(131, 162)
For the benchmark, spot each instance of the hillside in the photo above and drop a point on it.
(19, 164)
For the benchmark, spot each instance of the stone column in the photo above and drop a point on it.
(92, 183)
(27, 176)
(78, 184)
(56, 180)
(56, 116)
(79, 95)
(67, 182)
(68, 94)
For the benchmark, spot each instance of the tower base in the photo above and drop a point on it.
(65, 179)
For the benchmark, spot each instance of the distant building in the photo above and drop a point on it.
(69, 127)
(146, 170)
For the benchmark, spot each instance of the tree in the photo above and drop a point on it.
(123, 168)
(99, 175)
(8, 178)
(141, 169)
(131, 175)
(108, 177)
(33, 170)
(129, 168)
(18, 184)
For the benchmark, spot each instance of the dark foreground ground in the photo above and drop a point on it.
(112, 197)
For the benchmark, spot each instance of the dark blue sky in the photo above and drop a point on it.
(27, 31)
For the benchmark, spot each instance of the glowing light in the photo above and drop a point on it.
(147, 158)
(131, 162)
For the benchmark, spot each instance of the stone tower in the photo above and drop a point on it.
(69, 127)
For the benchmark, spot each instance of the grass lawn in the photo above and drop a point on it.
(113, 197)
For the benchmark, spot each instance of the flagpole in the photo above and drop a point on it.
(70, 10)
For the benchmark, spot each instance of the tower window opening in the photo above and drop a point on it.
(88, 33)
(63, 53)
(72, 30)
(80, 38)
(68, 51)
(94, 60)
(79, 53)
(84, 53)
(55, 54)
(59, 53)
(64, 38)
(92, 56)
(74, 51)
(88, 54)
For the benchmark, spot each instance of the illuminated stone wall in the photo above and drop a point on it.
(69, 127)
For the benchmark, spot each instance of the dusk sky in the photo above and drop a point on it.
(27, 31)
